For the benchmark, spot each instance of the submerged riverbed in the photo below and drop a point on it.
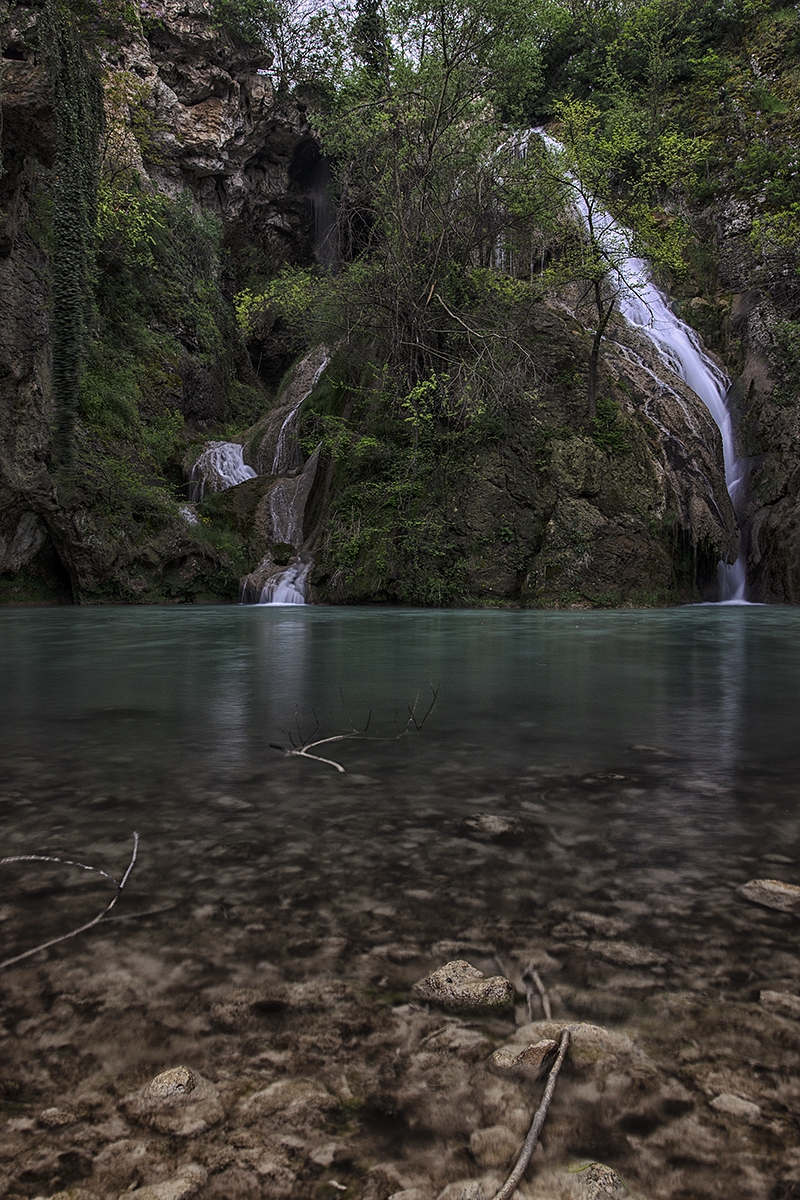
(645, 765)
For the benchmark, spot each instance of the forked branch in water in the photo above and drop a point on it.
(302, 747)
(68, 862)
(521, 1165)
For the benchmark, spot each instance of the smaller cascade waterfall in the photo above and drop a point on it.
(283, 447)
(289, 587)
(287, 506)
(645, 308)
(219, 467)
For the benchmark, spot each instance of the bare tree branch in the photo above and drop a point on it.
(120, 884)
(510, 1186)
(536, 978)
(303, 747)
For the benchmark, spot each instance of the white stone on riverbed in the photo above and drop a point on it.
(773, 893)
(460, 985)
(735, 1106)
(178, 1101)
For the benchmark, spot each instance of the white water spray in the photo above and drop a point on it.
(289, 587)
(219, 467)
(646, 309)
(281, 461)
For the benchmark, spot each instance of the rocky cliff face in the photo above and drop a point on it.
(545, 511)
(215, 131)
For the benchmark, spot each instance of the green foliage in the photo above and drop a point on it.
(245, 20)
(398, 464)
(77, 102)
(287, 298)
(608, 428)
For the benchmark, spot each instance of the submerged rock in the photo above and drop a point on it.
(494, 1147)
(735, 1106)
(177, 1101)
(593, 1181)
(464, 1189)
(773, 893)
(183, 1186)
(531, 1059)
(491, 827)
(784, 1003)
(460, 985)
(627, 954)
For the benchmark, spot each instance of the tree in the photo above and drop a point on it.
(425, 179)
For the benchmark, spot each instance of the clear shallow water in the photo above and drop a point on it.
(649, 759)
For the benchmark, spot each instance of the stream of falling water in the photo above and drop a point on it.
(646, 308)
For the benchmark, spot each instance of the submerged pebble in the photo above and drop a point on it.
(460, 985)
(773, 893)
(784, 1003)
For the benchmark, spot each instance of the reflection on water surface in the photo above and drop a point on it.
(648, 759)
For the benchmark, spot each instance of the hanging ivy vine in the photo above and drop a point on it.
(78, 107)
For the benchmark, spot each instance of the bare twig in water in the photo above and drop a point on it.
(67, 862)
(529, 973)
(511, 1184)
(304, 745)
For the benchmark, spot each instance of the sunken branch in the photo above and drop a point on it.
(302, 746)
(67, 862)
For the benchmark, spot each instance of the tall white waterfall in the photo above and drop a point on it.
(646, 309)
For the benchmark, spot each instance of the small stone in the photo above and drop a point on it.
(626, 954)
(300, 1099)
(773, 893)
(489, 826)
(531, 1058)
(587, 1042)
(458, 1039)
(459, 985)
(595, 1181)
(414, 1193)
(494, 1147)
(183, 1186)
(784, 1003)
(55, 1118)
(177, 1101)
(177, 1081)
(735, 1106)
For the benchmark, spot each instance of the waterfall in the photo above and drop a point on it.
(645, 308)
(219, 467)
(281, 461)
(289, 587)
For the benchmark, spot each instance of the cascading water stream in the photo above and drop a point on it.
(287, 507)
(219, 467)
(645, 308)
